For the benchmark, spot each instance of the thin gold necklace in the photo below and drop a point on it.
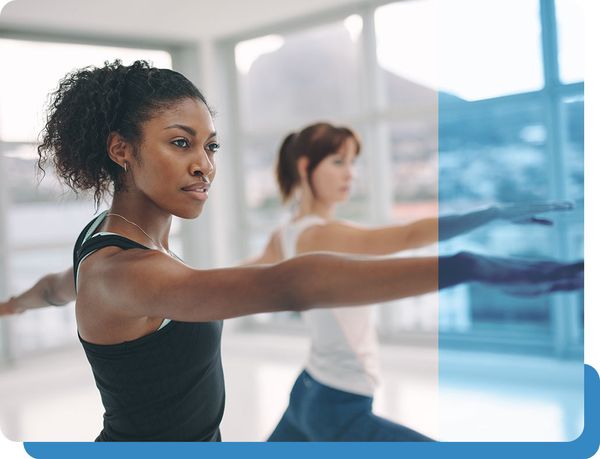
(168, 252)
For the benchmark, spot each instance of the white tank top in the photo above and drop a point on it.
(343, 351)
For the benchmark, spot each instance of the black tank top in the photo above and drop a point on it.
(165, 386)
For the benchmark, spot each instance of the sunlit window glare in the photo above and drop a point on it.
(476, 59)
(21, 111)
(407, 40)
(246, 52)
(354, 25)
(569, 16)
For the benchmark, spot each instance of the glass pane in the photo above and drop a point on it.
(574, 159)
(299, 78)
(414, 167)
(409, 71)
(500, 153)
(574, 108)
(25, 182)
(22, 112)
(48, 223)
(264, 208)
(46, 327)
(492, 155)
(570, 23)
(486, 157)
(488, 48)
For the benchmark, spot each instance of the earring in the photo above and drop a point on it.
(125, 167)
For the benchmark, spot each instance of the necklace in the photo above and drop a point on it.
(168, 252)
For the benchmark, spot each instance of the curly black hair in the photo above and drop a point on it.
(92, 102)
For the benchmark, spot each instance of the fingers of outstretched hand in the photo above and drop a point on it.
(568, 284)
(533, 220)
(560, 278)
(505, 271)
(527, 290)
(519, 211)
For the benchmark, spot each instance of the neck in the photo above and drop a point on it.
(153, 220)
(311, 206)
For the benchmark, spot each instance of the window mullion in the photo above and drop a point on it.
(563, 311)
(374, 101)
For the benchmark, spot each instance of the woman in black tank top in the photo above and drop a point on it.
(151, 325)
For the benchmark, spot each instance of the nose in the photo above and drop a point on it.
(202, 165)
(351, 172)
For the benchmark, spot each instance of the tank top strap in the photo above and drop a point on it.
(85, 233)
(292, 231)
(87, 243)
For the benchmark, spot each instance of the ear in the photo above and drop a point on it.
(119, 149)
(302, 165)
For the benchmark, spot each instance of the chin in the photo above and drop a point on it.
(189, 213)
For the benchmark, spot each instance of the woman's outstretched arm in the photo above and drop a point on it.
(151, 284)
(54, 289)
(349, 238)
(140, 283)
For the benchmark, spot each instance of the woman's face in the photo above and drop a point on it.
(176, 158)
(332, 178)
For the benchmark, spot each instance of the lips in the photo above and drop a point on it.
(202, 187)
(198, 190)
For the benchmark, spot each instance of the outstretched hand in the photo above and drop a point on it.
(526, 277)
(10, 306)
(527, 213)
(566, 278)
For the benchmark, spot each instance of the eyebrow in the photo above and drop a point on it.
(189, 130)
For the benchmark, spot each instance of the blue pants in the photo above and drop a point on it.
(320, 413)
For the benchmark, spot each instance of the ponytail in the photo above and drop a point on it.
(286, 171)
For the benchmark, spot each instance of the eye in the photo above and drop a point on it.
(181, 143)
(213, 147)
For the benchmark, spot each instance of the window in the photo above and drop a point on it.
(458, 114)
(569, 15)
(289, 80)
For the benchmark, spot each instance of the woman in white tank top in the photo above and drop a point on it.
(332, 398)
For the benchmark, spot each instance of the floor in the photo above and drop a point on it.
(474, 397)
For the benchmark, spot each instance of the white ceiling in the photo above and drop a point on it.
(157, 19)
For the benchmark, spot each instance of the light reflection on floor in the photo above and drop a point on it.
(53, 397)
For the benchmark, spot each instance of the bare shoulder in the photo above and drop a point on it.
(337, 236)
(115, 278)
(115, 292)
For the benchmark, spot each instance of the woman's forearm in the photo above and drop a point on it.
(46, 291)
(433, 229)
(454, 225)
(326, 280)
